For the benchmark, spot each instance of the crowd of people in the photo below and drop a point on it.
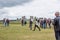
(40, 23)
(23, 21)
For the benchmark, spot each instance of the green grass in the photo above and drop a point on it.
(18, 32)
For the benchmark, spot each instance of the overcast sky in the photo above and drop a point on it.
(13, 9)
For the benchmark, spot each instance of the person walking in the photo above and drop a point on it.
(37, 24)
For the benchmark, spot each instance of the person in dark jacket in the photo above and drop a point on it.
(22, 21)
(56, 24)
(44, 23)
(7, 21)
(30, 22)
(49, 22)
(25, 21)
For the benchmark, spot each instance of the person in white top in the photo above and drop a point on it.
(37, 25)
(4, 22)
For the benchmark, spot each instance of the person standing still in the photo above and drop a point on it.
(44, 23)
(4, 22)
(56, 24)
(30, 22)
(7, 21)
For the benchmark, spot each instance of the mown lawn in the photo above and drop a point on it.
(18, 32)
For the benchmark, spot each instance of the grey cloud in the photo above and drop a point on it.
(10, 3)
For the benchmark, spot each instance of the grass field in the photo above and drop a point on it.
(18, 32)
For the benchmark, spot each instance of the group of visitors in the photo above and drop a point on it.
(40, 23)
(23, 21)
(6, 22)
